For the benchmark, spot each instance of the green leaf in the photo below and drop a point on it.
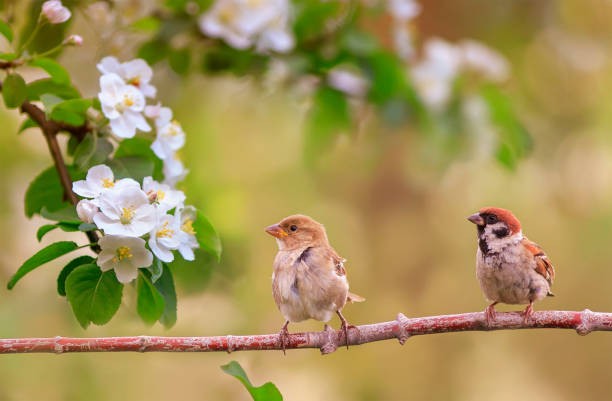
(50, 100)
(8, 56)
(47, 86)
(27, 124)
(91, 151)
(266, 392)
(329, 116)
(131, 166)
(71, 111)
(46, 192)
(95, 296)
(180, 60)
(165, 286)
(153, 51)
(6, 31)
(73, 264)
(147, 24)
(142, 148)
(41, 257)
(14, 90)
(66, 213)
(207, 236)
(55, 70)
(67, 226)
(150, 303)
(514, 140)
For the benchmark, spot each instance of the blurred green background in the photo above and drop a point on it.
(393, 204)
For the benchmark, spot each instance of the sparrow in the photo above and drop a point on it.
(309, 277)
(510, 268)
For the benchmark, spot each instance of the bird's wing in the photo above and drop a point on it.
(543, 266)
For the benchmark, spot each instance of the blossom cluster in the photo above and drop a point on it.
(139, 221)
(244, 23)
(128, 213)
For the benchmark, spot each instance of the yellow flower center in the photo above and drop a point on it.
(134, 81)
(107, 183)
(188, 227)
(160, 195)
(128, 101)
(127, 214)
(123, 252)
(165, 231)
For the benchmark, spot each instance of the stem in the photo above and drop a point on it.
(25, 45)
(327, 340)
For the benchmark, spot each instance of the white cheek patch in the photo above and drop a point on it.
(495, 243)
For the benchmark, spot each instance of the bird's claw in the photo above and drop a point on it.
(490, 314)
(528, 313)
(283, 337)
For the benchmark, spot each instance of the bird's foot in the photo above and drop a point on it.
(283, 337)
(490, 314)
(330, 345)
(528, 313)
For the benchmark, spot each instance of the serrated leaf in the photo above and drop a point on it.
(165, 286)
(95, 296)
(55, 70)
(14, 90)
(266, 392)
(45, 191)
(207, 236)
(92, 151)
(6, 31)
(71, 111)
(47, 86)
(150, 303)
(41, 257)
(73, 264)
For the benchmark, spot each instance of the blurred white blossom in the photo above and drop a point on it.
(244, 23)
(134, 72)
(484, 60)
(161, 195)
(402, 13)
(186, 236)
(347, 81)
(125, 255)
(174, 170)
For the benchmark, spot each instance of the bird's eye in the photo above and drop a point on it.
(293, 227)
(491, 219)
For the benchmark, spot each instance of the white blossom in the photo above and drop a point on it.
(125, 255)
(162, 195)
(125, 212)
(244, 23)
(403, 10)
(170, 135)
(55, 12)
(348, 82)
(186, 236)
(174, 170)
(165, 237)
(122, 104)
(86, 210)
(100, 179)
(134, 72)
(482, 59)
(434, 75)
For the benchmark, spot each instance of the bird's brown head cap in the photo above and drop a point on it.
(298, 231)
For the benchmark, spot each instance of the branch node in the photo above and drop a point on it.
(401, 333)
(144, 343)
(230, 344)
(57, 346)
(586, 322)
(332, 343)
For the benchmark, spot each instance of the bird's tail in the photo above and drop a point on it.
(550, 294)
(354, 297)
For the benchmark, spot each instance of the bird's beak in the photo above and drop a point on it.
(476, 219)
(276, 231)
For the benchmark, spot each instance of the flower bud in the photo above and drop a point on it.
(55, 12)
(73, 40)
(86, 210)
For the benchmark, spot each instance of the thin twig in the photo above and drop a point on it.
(327, 340)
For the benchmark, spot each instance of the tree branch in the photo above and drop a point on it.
(327, 340)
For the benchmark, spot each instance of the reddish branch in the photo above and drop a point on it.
(327, 341)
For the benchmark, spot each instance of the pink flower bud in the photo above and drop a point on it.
(73, 40)
(55, 12)
(86, 210)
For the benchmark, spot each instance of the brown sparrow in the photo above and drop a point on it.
(309, 278)
(510, 268)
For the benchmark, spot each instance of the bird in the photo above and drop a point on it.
(309, 278)
(511, 269)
